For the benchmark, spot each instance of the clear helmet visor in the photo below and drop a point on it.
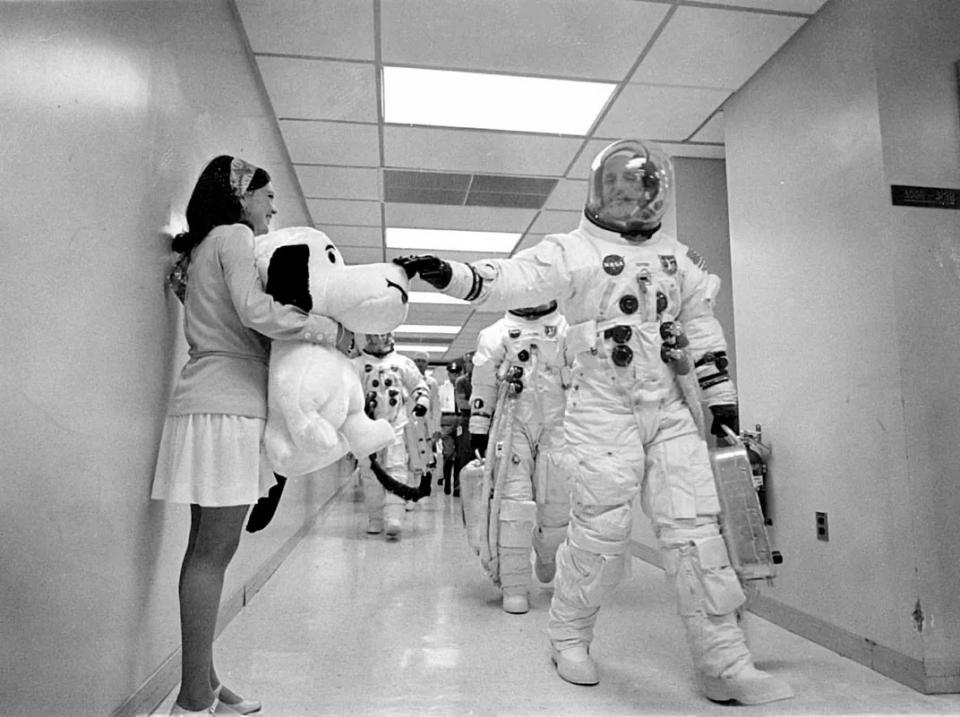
(379, 342)
(630, 182)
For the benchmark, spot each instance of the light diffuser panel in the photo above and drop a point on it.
(434, 297)
(429, 348)
(427, 329)
(451, 240)
(484, 101)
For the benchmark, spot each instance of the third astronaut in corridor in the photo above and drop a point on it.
(641, 331)
(525, 349)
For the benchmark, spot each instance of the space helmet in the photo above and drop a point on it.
(630, 181)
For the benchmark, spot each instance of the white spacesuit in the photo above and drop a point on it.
(423, 432)
(640, 307)
(394, 389)
(525, 347)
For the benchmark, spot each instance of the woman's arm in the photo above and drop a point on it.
(256, 308)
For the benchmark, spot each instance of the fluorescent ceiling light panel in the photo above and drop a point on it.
(483, 101)
(433, 297)
(451, 240)
(427, 329)
(429, 348)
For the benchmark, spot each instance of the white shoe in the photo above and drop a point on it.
(515, 604)
(243, 707)
(748, 686)
(374, 526)
(576, 666)
(393, 530)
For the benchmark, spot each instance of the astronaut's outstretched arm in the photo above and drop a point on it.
(534, 276)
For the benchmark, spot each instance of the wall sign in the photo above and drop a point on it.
(934, 197)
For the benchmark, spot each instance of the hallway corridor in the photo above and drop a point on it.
(353, 625)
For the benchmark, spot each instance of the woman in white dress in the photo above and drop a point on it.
(209, 455)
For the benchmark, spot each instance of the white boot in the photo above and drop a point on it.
(515, 603)
(748, 686)
(576, 666)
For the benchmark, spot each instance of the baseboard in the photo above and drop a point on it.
(156, 687)
(928, 677)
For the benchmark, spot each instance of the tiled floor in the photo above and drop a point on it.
(353, 625)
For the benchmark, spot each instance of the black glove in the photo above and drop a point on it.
(725, 414)
(432, 269)
(370, 404)
(262, 512)
(419, 410)
(478, 443)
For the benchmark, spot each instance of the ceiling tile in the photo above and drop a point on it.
(458, 218)
(346, 235)
(320, 89)
(803, 6)
(556, 222)
(704, 151)
(310, 142)
(360, 254)
(569, 194)
(561, 38)
(345, 211)
(706, 47)
(437, 314)
(455, 150)
(333, 28)
(339, 182)
(712, 131)
(659, 112)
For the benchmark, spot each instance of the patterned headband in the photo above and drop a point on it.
(241, 173)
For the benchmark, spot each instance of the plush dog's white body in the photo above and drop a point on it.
(315, 402)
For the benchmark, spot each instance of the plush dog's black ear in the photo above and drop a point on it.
(288, 276)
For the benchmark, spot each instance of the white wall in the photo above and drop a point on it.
(847, 324)
(108, 111)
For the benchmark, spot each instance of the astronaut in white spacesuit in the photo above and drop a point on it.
(394, 389)
(640, 309)
(525, 347)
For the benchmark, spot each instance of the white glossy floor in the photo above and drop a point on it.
(353, 625)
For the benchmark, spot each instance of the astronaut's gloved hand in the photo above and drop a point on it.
(432, 269)
(370, 404)
(478, 443)
(725, 414)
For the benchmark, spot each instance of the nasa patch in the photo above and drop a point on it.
(613, 264)
(669, 263)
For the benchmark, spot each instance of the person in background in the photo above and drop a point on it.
(209, 455)
(645, 347)
(520, 366)
(394, 389)
(462, 390)
(431, 422)
(448, 424)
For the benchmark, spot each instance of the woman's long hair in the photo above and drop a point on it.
(215, 201)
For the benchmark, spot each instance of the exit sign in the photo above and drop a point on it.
(935, 197)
